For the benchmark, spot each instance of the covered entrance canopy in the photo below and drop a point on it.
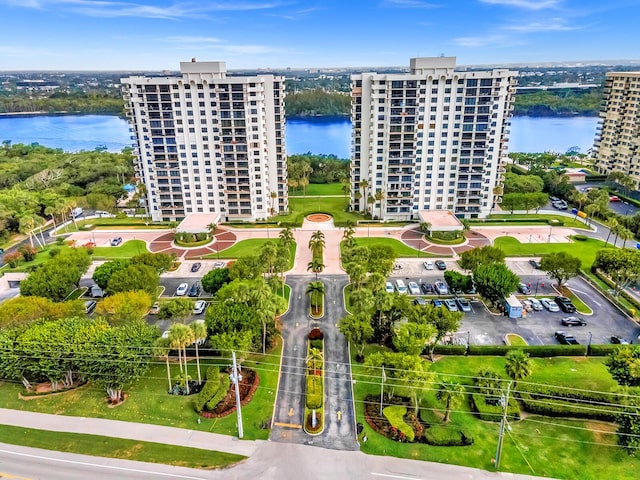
(440, 220)
(198, 222)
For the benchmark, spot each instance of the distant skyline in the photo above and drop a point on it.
(278, 34)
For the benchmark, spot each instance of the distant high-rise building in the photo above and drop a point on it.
(617, 142)
(434, 138)
(209, 143)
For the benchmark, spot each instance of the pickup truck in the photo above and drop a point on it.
(566, 338)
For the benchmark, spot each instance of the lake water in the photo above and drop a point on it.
(328, 135)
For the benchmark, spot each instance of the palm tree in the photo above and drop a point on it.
(200, 333)
(591, 210)
(317, 243)
(380, 197)
(370, 201)
(274, 197)
(364, 184)
(162, 348)
(28, 224)
(315, 290)
(518, 365)
(425, 227)
(625, 234)
(613, 224)
(212, 227)
(286, 237)
(450, 395)
(580, 198)
(316, 266)
(179, 337)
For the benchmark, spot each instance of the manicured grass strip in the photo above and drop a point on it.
(301, 207)
(515, 340)
(318, 189)
(128, 249)
(401, 250)
(585, 250)
(77, 293)
(120, 448)
(532, 219)
(581, 307)
(251, 247)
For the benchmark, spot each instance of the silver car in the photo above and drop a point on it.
(451, 305)
(550, 304)
(535, 304)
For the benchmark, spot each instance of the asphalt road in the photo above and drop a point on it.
(339, 432)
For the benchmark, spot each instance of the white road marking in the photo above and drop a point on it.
(393, 476)
(112, 467)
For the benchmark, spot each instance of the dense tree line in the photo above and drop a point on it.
(63, 102)
(309, 168)
(317, 102)
(544, 103)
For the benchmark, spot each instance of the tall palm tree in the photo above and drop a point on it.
(199, 330)
(274, 197)
(370, 201)
(162, 349)
(179, 337)
(625, 234)
(315, 290)
(518, 365)
(316, 266)
(212, 227)
(286, 237)
(380, 197)
(317, 243)
(613, 224)
(364, 184)
(580, 198)
(450, 395)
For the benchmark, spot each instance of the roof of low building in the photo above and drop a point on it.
(198, 222)
(440, 219)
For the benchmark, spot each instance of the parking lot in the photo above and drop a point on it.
(482, 327)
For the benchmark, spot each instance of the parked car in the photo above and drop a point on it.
(428, 265)
(441, 288)
(116, 241)
(388, 287)
(554, 199)
(89, 306)
(419, 301)
(614, 198)
(195, 289)
(155, 309)
(196, 266)
(549, 304)
(441, 265)
(535, 303)
(219, 265)
(560, 205)
(464, 304)
(566, 338)
(436, 302)
(565, 304)
(526, 304)
(414, 289)
(199, 307)
(401, 287)
(427, 288)
(181, 291)
(96, 292)
(535, 263)
(451, 305)
(524, 288)
(471, 291)
(573, 322)
(618, 340)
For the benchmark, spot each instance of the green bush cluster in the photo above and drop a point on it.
(443, 436)
(319, 344)
(532, 350)
(395, 415)
(622, 293)
(556, 222)
(554, 402)
(579, 237)
(603, 350)
(214, 390)
(447, 236)
(314, 391)
(493, 413)
(185, 238)
(450, 349)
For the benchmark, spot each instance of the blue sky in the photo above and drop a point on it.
(158, 34)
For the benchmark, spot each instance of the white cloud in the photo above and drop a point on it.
(191, 39)
(409, 4)
(482, 41)
(527, 4)
(553, 25)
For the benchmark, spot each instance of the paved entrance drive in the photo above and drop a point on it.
(288, 419)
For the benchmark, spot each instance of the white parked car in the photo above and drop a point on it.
(441, 288)
(414, 289)
(389, 287)
(535, 303)
(181, 291)
(199, 307)
(550, 304)
(428, 265)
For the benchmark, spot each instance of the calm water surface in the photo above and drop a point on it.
(327, 135)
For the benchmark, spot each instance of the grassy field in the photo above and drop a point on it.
(554, 447)
(251, 247)
(300, 207)
(149, 402)
(585, 250)
(535, 220)
(318, 189)
(120, 448)
(128, 249)
(400, 249)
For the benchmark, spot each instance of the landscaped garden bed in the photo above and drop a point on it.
(314, 398)
(217, 398)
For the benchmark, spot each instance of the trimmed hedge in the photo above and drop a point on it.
(532, 350)
(225, 383)
(603, 350)
(447, 436)
(554, 402)
(314, 384)
(395, 415)
(210, 388)
(493, 413)
(450, 349)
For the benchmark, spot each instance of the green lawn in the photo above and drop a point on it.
(128, 249)
(401, 250)
(149, 402)
(552, 449)
(536, 219)
(318, 189)
(251, 247)
(110, 447)
(300, 207)
(585, 250)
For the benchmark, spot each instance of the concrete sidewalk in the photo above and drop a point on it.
(133, 431)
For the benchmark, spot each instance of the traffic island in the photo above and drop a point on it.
(314, 399)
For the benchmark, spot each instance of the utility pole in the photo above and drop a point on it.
(382, 379)
(236, 378)
(503, 423)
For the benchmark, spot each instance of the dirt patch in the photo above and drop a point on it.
(318, 217)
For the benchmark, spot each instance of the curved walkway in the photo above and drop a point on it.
(164, 244)
(414, 238)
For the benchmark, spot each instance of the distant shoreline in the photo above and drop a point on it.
(56, 114)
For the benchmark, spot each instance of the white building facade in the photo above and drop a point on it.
(617, 142)
(209, 143)
(432, 139)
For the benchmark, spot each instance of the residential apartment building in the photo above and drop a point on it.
(209, 143)
(432, 139)
(618, 133)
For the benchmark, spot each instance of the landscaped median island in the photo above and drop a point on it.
(314, 392)
(120, 448)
